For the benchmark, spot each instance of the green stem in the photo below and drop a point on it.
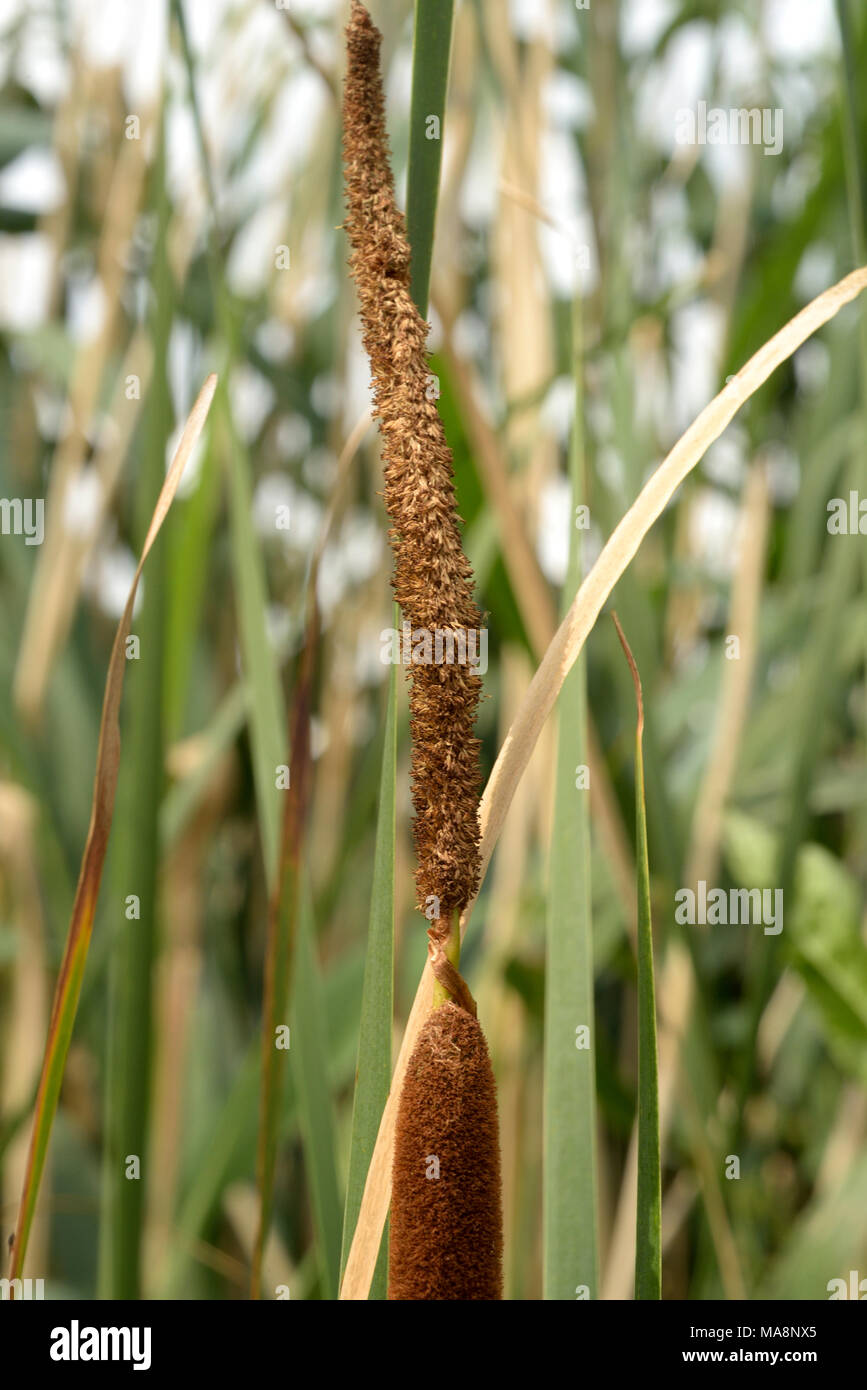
(452, 949)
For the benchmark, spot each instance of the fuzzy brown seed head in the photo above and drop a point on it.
(433, 580)
(446, 1238)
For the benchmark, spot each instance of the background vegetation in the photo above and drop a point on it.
(581, 255)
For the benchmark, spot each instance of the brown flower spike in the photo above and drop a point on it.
(433, 580)
(446, 1224)
(446, 1236)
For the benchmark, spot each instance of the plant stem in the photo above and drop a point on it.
(452, 948)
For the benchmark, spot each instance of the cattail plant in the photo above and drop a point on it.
(446, 1227)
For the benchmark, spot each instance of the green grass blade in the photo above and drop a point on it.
(280, 947)
(570, 1259)
(267, 717)
(648, 1245)
(374, 1039)
(432, 43)
(135, 861)
(267, 739)
(309, 1053)
(71, 972)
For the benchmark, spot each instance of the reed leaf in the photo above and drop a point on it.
(569, 1186)
(648, 1244)
(432, 41)
(135, 861)
(315, 1110)
(377, 1000)
(71, 973)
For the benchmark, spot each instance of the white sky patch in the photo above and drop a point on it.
(793, 184)
(812, 364)
(558, 408)
(398, 82)
(145, 51)
(532, 19)
(357, 394)
(310, 11)
(293, 436)
(552, 537)
(181, 357)
(108, 580)
(370, 669)
(325, 395)
(86, 308)
(651, 387)
(252, 397)
(795, 31)
(678, 81)
(129, 36)
(436, 335)
(350, 559)
(319, 470)
(315, 293)
(82, 503)
(53, 413)
(40, 66)
(205, 20)
(677, 256)
(254, 250)
(275, 340)
(470, 334)
(480, 188)
(612, 469)
(713, 531)
(642, 23)
(568, 22)
(273, 492)
(728, 165)
(278, 627)
(816, 271)
(305, 512)
(99, 27)
(26, 263)
(297, 115)
(183, 176)
(696, 332)
(741, 61)
(567, 101)
(783, 472)
(569, 248)
(726, 460)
